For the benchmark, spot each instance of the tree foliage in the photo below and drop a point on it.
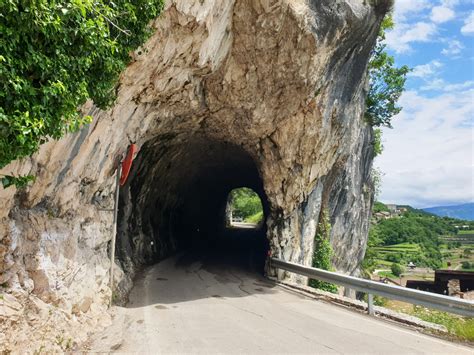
(396, 269)
(246, 204)
(387, 82)
(56, 54)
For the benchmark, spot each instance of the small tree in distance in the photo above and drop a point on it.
(396, 269)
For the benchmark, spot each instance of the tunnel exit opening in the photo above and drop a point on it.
(244, 209)
(176, 200)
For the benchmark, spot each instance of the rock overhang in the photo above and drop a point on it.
(281, 81)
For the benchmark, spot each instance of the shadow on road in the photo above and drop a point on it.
(230, 266)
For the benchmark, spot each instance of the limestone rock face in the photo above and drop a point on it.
(267, 94)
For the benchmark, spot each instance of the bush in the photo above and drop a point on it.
(378, 300)
(466, 265)
(394, 258)
(397, 269)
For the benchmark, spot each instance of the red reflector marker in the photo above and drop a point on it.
(127, 163)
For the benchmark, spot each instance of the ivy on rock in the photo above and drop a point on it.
(55, 55)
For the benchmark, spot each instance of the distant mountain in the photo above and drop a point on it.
(464, 211)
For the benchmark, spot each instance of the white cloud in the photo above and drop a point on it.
(449, 3)
(453, 49)
(405, 8)
(403, 34)
(428, 156)
(440, 14)
(426, 70)
(441, 85)
(468, 28)
(418, 21)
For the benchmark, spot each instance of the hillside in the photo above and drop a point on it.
(464, 211)
(404, 234)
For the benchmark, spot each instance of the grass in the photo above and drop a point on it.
(459, 326)
(402, 247)
(256, 218)
(384, 263)
(388, 274)
(392, 250)
(466, 232)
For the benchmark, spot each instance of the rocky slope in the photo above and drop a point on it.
(259, 93)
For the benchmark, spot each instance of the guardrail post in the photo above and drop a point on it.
(370, 304)
(114, 231)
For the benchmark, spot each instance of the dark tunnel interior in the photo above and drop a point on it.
(175, 201)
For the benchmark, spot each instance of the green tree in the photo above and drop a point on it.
(396, 269)
(56, 54)
(387, 82)
(379, 207)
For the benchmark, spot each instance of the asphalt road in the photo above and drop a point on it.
(189, 304)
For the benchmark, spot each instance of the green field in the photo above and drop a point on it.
(406, 249)
(387, 252)
(462, 238)
(384, 263)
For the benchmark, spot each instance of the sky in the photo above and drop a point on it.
(428, 156)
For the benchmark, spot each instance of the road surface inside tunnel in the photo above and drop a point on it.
(216, 300)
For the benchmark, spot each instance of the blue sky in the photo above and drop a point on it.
(428, 155)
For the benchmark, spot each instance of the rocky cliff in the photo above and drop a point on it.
(267, 94)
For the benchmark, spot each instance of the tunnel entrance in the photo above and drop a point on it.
(176, 198)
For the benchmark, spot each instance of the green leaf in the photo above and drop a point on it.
(387, 82)
(54, 57)
(18, 181)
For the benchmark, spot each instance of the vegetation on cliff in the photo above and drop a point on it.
(54, 56)
(386, 85)
(323, 252)
(387, 82)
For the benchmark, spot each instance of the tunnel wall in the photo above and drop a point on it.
(175, 198)
(282, 80)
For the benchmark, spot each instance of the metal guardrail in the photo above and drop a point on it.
(427, 299)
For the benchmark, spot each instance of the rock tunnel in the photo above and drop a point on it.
(175, 200)
(264, 94)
